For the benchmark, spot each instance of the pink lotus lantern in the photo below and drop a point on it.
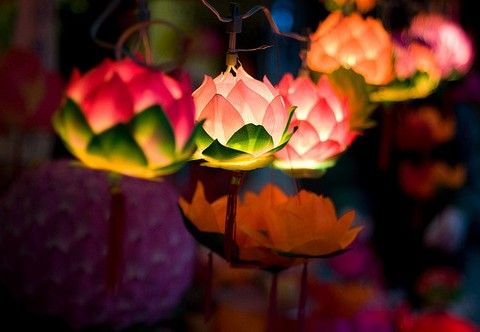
(417, 74)
(246, 121)
(452, 48)
(29, 94)
(323, 121)
(128, 119)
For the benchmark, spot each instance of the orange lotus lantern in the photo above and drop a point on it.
(246, 121)
(323, 121)
(423, 128)
(352, 42)
(425, 180)
(128, 119)
(273, 229)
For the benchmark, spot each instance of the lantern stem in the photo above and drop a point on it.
(303, 298)
(272, 304)
(231, 215)
(116, 234)
(233, 27)
(207, 305)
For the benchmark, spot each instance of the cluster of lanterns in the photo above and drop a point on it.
(129, 119)
(132, 120)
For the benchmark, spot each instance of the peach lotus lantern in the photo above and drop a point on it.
(245, 121)
(352, 42)
(128, 119)
(323, 121)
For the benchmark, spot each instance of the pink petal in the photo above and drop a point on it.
(264, 89)
(303, 94)
(250, 105)
(323, 119)
(108, 105)
(181, 116)
(149, 89)
(203, 95)
(275, 119)
(80, 87)
(288, 153)
(323, 151)
(285, 83)
(304, 138)
(127, 69)
(222, 119)
(338, 105)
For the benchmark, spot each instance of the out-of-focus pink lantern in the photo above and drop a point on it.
(452, 47)
(417, 74)
(323, 121)
(246, 121)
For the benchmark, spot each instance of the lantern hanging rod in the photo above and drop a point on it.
(234, 22)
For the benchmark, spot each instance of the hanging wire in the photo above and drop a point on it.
(141, 28)
(250, 13)
(100, 21)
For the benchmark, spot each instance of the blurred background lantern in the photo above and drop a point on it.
(452, 47)
(352, 42)
(53, 244)
(129, 119)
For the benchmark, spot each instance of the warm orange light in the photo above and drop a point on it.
(352, 42)
(272, 226)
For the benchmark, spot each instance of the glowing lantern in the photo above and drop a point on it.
(29, 94)
(424, 181)
(424, 128)
(352, 42)
(128, 119)
(451, 46)
(323, 122)
(438, 322)
(246, 121)
(273, 228)
(417, 74)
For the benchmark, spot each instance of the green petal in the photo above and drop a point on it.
(72, 126)
(284, 141)
(221, 152)
(197, 139)
(202, 139)
(251, 139)
(352, 85)
(117, 146)
(291, 111)
(153, 132)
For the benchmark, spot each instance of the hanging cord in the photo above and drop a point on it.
(234, 26)
(141, 27)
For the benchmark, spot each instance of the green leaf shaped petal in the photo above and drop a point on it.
(196, 139)
(117, 146)
(71, 125)
(152, 131)
(221, 152)
(252, 139)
